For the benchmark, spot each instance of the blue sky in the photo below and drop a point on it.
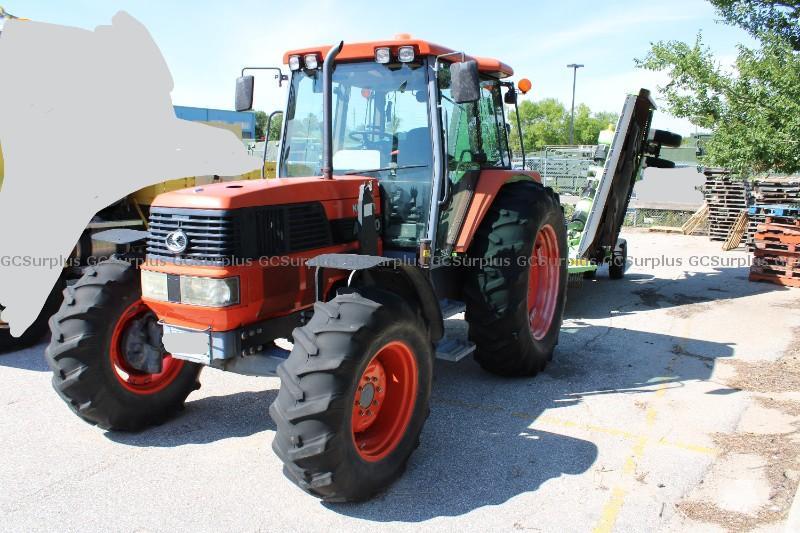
(206, 43)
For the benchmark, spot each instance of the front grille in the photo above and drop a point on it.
(308, 227)
(222, 237)
(271, 231)
(213, 236)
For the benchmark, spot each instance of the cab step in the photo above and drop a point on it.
(451, 307)
(454, 349)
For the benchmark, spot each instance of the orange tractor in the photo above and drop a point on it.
(395, 206)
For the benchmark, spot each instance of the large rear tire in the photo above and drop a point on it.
(87, 353)
(354, 395)
(516, 292)
(38, 329)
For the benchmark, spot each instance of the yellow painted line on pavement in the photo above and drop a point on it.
(689, 447)
(553, 421)
(615, 504)
(611, 511)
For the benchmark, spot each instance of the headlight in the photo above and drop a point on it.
(294, 62)
(405, 54)
(311, 61)
(154, 285)
(209, 292)
(383, 55)
(206, 292)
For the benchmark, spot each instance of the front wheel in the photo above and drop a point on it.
(100, 339)
(354, 395)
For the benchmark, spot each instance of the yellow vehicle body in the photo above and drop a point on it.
(145, 196)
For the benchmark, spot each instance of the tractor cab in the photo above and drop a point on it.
(395, 117)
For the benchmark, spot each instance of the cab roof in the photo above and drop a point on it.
(366, 50)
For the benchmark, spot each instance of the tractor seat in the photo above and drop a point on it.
(415, 148)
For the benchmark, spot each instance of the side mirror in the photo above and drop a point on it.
(464, 82)
(244, 93)
(510, 97)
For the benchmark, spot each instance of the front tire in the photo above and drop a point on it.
(515, 296)
(87, 353)
(354, 395)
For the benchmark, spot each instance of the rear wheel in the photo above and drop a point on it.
(619, 260)
(100, 338)
(354, 395)
(515, 297)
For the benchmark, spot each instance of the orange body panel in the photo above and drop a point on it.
(271, 286)
(254, 193)
(489, 185)
(361, 51)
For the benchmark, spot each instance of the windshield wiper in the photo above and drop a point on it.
(401, 167)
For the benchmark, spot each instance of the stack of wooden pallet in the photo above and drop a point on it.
(777, 247)
(770, 192)
(726, 197)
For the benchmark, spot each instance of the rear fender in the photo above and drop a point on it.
(489, 184)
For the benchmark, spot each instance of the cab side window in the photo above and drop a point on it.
(475, 132)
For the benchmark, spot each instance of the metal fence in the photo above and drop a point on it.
(565, 168)
(647, 218)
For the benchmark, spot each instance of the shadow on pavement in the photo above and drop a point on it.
(28, 359)
(208, 420)
(599, 297)
(478, 448)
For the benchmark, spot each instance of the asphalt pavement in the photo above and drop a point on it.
(625, 431)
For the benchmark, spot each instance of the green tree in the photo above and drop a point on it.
(546, 122)
(588, 125)
(543, 122)
(753, 112)
(764, 17)
(275, 126)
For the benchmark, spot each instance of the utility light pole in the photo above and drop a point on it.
(574, 67)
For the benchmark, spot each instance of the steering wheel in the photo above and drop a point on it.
(370, 134)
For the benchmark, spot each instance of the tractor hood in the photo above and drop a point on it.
(253, 193)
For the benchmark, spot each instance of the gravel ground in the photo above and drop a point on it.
(644, 421)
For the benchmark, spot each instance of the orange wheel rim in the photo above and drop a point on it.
(384, 401)
(543, 281)
(131, 379)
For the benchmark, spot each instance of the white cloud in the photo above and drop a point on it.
(608, 26)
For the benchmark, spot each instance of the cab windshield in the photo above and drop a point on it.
(380, 128)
